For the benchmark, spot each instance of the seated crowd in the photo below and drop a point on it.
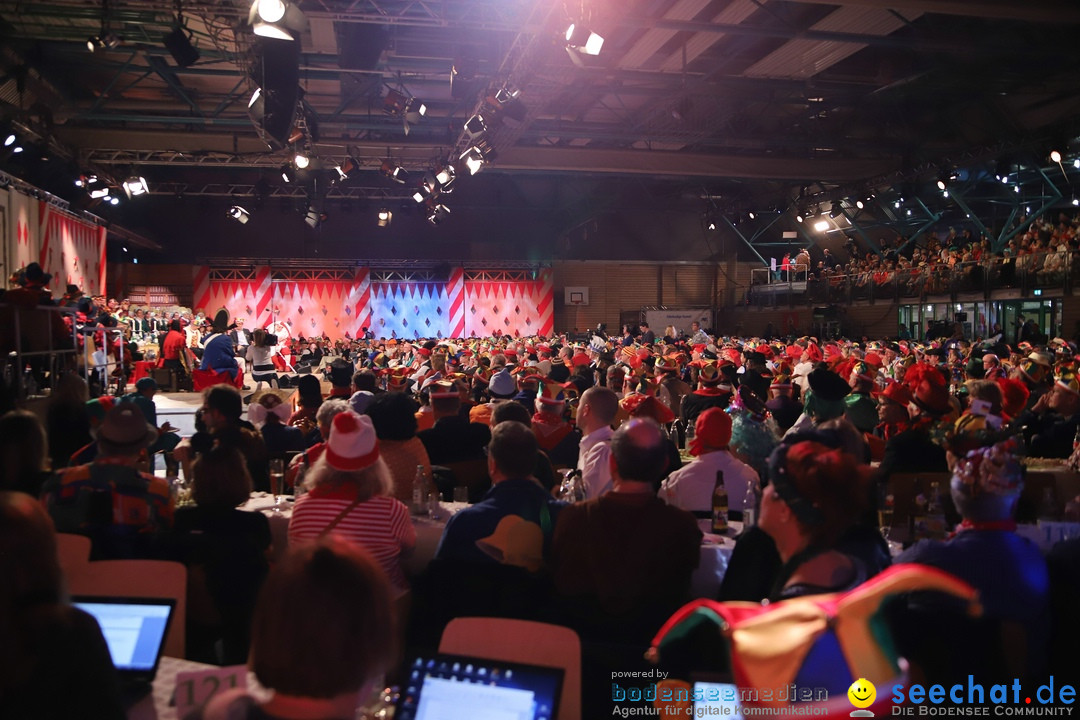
(931, 264)
(791, 425)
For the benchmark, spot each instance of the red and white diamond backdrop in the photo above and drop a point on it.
(73, 251)
(512, 308)
(249, 299)
(311, 308)
(341, 308)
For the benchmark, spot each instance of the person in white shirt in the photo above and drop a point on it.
(596, 412)
(691, 486)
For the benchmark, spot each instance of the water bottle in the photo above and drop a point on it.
(419, 492)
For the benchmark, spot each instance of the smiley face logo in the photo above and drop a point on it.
(862, 693)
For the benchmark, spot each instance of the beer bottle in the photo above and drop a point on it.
(719, 505)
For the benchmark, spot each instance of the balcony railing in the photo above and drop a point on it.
(1026, 273)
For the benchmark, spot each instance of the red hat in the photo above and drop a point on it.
(897, 392)
(642, 405)
(712, 429)
(580, 359)
(814, 353)
(1014, 394)
(352, 444)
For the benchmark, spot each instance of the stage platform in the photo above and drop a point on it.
(179, 410)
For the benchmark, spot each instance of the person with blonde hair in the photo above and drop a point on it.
(350, 493)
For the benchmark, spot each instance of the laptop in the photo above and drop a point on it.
(134, 630)
(449, 687)
(716, 698)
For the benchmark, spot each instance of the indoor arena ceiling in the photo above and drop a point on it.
(747, 100)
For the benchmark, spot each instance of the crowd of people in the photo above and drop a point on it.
(643, 422)
(933, 264)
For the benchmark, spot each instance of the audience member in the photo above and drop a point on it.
(24, 453)
(596, 413)
(322, 636)
(393, 415)
(350, 492)
(54, 663)
(123, 510)
(226, 551)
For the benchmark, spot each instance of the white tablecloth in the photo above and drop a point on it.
(713, 561)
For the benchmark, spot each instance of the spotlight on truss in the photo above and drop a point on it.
(136, 185)
(239, 214)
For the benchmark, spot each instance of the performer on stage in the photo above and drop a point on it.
(218, 352)
(282, 350)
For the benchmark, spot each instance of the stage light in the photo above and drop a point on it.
(114, 200)
(584, 40)
(314, 217)
(395, 172)
(1055, 156)
(346, 168)
(438, 214)
(105, 41)
(1075, 200)
(415, 110)
(473, 159)
(270, 11)
(837, 209)
(711, 225)
(860, 204)
(507, 93)
(385, 217)
(751, 215)
(9, 140)
(419, 196)
(276, 19)
(301, 161)
(96, 188)
(239, 214)
(800, 215)
(821, 225)
(17, 149)
(288, 173)
(445, 177)
(475, 126)
(1076, 163)
(136, 185)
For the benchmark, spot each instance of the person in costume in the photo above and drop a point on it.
(1050, 426)
(711, 392)
(554, 434)
(218, 354)
(1008, 570)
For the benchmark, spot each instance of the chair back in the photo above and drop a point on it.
(523, 641)
(139, 578)
(73, 551)
(473, 474)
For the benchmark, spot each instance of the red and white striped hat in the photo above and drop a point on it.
(352, 444)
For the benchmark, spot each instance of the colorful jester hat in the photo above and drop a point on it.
(819, 641)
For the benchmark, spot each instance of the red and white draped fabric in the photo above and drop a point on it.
(519, 308)
(23, 237)
(249, 299)
(72, 250)
(404, 310)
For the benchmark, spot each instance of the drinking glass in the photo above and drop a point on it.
(461, 494)
(277, 482)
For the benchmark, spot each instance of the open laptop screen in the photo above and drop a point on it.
(134, 629)
(442, 687)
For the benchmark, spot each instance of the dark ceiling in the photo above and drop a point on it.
(693, 107)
